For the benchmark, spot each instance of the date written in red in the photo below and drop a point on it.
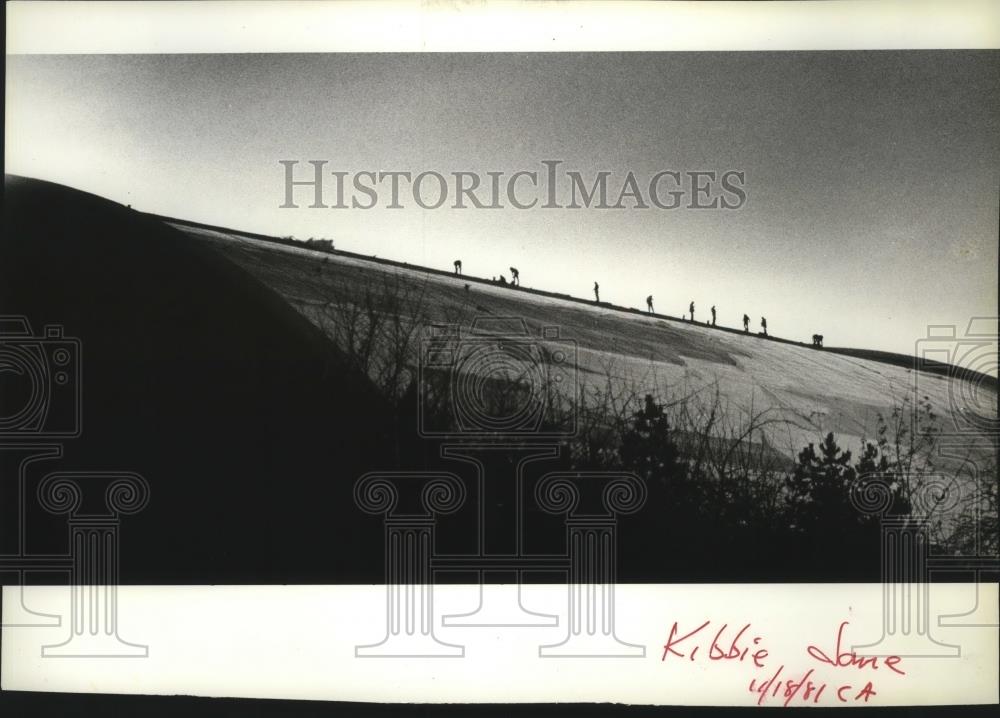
(742, 645)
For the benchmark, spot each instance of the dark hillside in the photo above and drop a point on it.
(241, 415)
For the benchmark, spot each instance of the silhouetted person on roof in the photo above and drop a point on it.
(746, 323)
(691, 309)
(503, 279)
(458, 266)
(713, 315)
(649, 303)
(763, 325)
(597, 292)
(818, 340)
(515, 276)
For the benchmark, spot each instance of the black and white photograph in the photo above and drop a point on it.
(454, 364)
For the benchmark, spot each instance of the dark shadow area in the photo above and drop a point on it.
(248, 426)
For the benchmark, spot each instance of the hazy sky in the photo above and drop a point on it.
(873, 178)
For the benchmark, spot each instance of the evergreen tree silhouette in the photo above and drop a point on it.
(647, 447)
(818, 488)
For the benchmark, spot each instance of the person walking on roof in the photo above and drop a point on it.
(691, 309)
(746, 323)
(515, 276)
(458, 267)
(597, 292)
(713, 315)
(649, 303)
(763, 325)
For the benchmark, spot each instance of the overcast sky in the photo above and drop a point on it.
(873, 178)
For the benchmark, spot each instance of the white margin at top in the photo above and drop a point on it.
(232, 26)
